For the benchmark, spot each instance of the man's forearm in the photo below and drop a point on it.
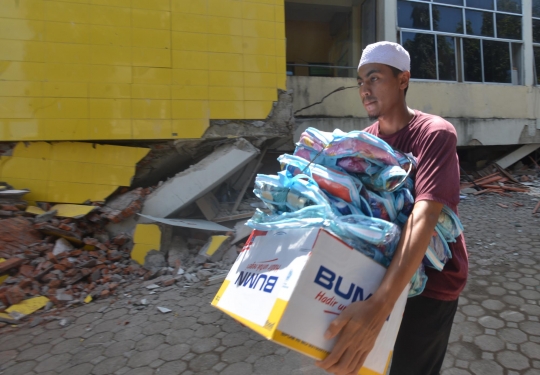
(415, 238)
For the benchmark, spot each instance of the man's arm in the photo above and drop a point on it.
(360, 323)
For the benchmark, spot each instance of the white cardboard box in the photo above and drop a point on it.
(289, 285)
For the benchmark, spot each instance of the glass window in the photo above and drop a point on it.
(508, 27)
(421, 47)
(510, 6)
(479, 23)
(536, 31)
(482, 4)
(451, 2)
(447, 19)
(413, 15)
(536, 8)
(537, 63)
(446, 53)
(497, 62)
(472, 60)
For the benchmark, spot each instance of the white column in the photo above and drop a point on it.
(528, 60)
(387, 20)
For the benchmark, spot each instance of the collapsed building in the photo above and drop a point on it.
(168, 109)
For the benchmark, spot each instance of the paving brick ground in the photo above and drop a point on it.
(496, 330)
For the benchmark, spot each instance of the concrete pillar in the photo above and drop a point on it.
(356, 35)
(387, 20)
(528, 59)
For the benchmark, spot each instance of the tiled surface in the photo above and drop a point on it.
(98, 70)
(69, 172)
(496, 330)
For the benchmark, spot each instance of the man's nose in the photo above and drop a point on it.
(364, 91)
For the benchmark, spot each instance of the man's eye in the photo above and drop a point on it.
(374, 78)
(360, 83)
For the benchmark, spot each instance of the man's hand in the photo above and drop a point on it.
(358, 327)
(360, 323)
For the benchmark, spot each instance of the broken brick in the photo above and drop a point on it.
(9, 264)
(26, 283)
(27, 270)
(55, 284)
(16, 234)
(14, 295)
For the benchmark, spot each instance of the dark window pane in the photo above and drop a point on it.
(508, 27)
(479, 23)
(537, 64)
(472, 60)
(511, 6)
(536, 31)
(421, 47)
(413, 15)
(497, 62)
(446, 50)
(452, 2)
(482, 4)
(447, 19)
(536, 8)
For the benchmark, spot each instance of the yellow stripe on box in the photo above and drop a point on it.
(299, 345)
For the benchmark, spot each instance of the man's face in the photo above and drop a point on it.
(380, 89)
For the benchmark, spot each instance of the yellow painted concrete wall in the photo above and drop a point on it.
(69, 172)
(136, 69)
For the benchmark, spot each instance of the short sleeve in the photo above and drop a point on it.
(437, 176)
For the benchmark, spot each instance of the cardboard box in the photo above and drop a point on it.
(288, 285)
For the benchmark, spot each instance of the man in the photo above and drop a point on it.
(383, 78)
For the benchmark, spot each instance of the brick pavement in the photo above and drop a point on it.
(496, 330)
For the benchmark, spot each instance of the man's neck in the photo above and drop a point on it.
(393, 122)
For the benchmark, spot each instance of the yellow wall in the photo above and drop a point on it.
(136, 69)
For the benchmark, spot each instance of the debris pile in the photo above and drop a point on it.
(63, 258)
(499, 181)
(73, 260)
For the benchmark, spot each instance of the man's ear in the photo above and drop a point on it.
(404, 78)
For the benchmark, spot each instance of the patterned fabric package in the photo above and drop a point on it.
(449, 225)
(382, 206)
(355, 164)
(363, 145)
(404, 202)
(315, 139)
(438, 252)
(336, 183)
(380, 233)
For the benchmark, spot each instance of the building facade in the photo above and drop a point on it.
(474, 62)
(160, 73)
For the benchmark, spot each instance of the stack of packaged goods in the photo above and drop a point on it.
(355, 185)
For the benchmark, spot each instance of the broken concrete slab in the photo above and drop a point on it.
(62, 246)
(209, 205)
(517, 155)
(177, 250)
(213, 250)
(27, 307)
(189, 223)
(186, 187)
(154, 260)
(230, 255)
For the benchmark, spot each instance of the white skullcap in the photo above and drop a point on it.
(387, 53)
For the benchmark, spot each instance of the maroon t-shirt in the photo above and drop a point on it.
(432, 140)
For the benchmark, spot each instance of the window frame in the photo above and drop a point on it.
(458, 40)
(534, 45)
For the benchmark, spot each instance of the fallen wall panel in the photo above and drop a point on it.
(191, 184)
